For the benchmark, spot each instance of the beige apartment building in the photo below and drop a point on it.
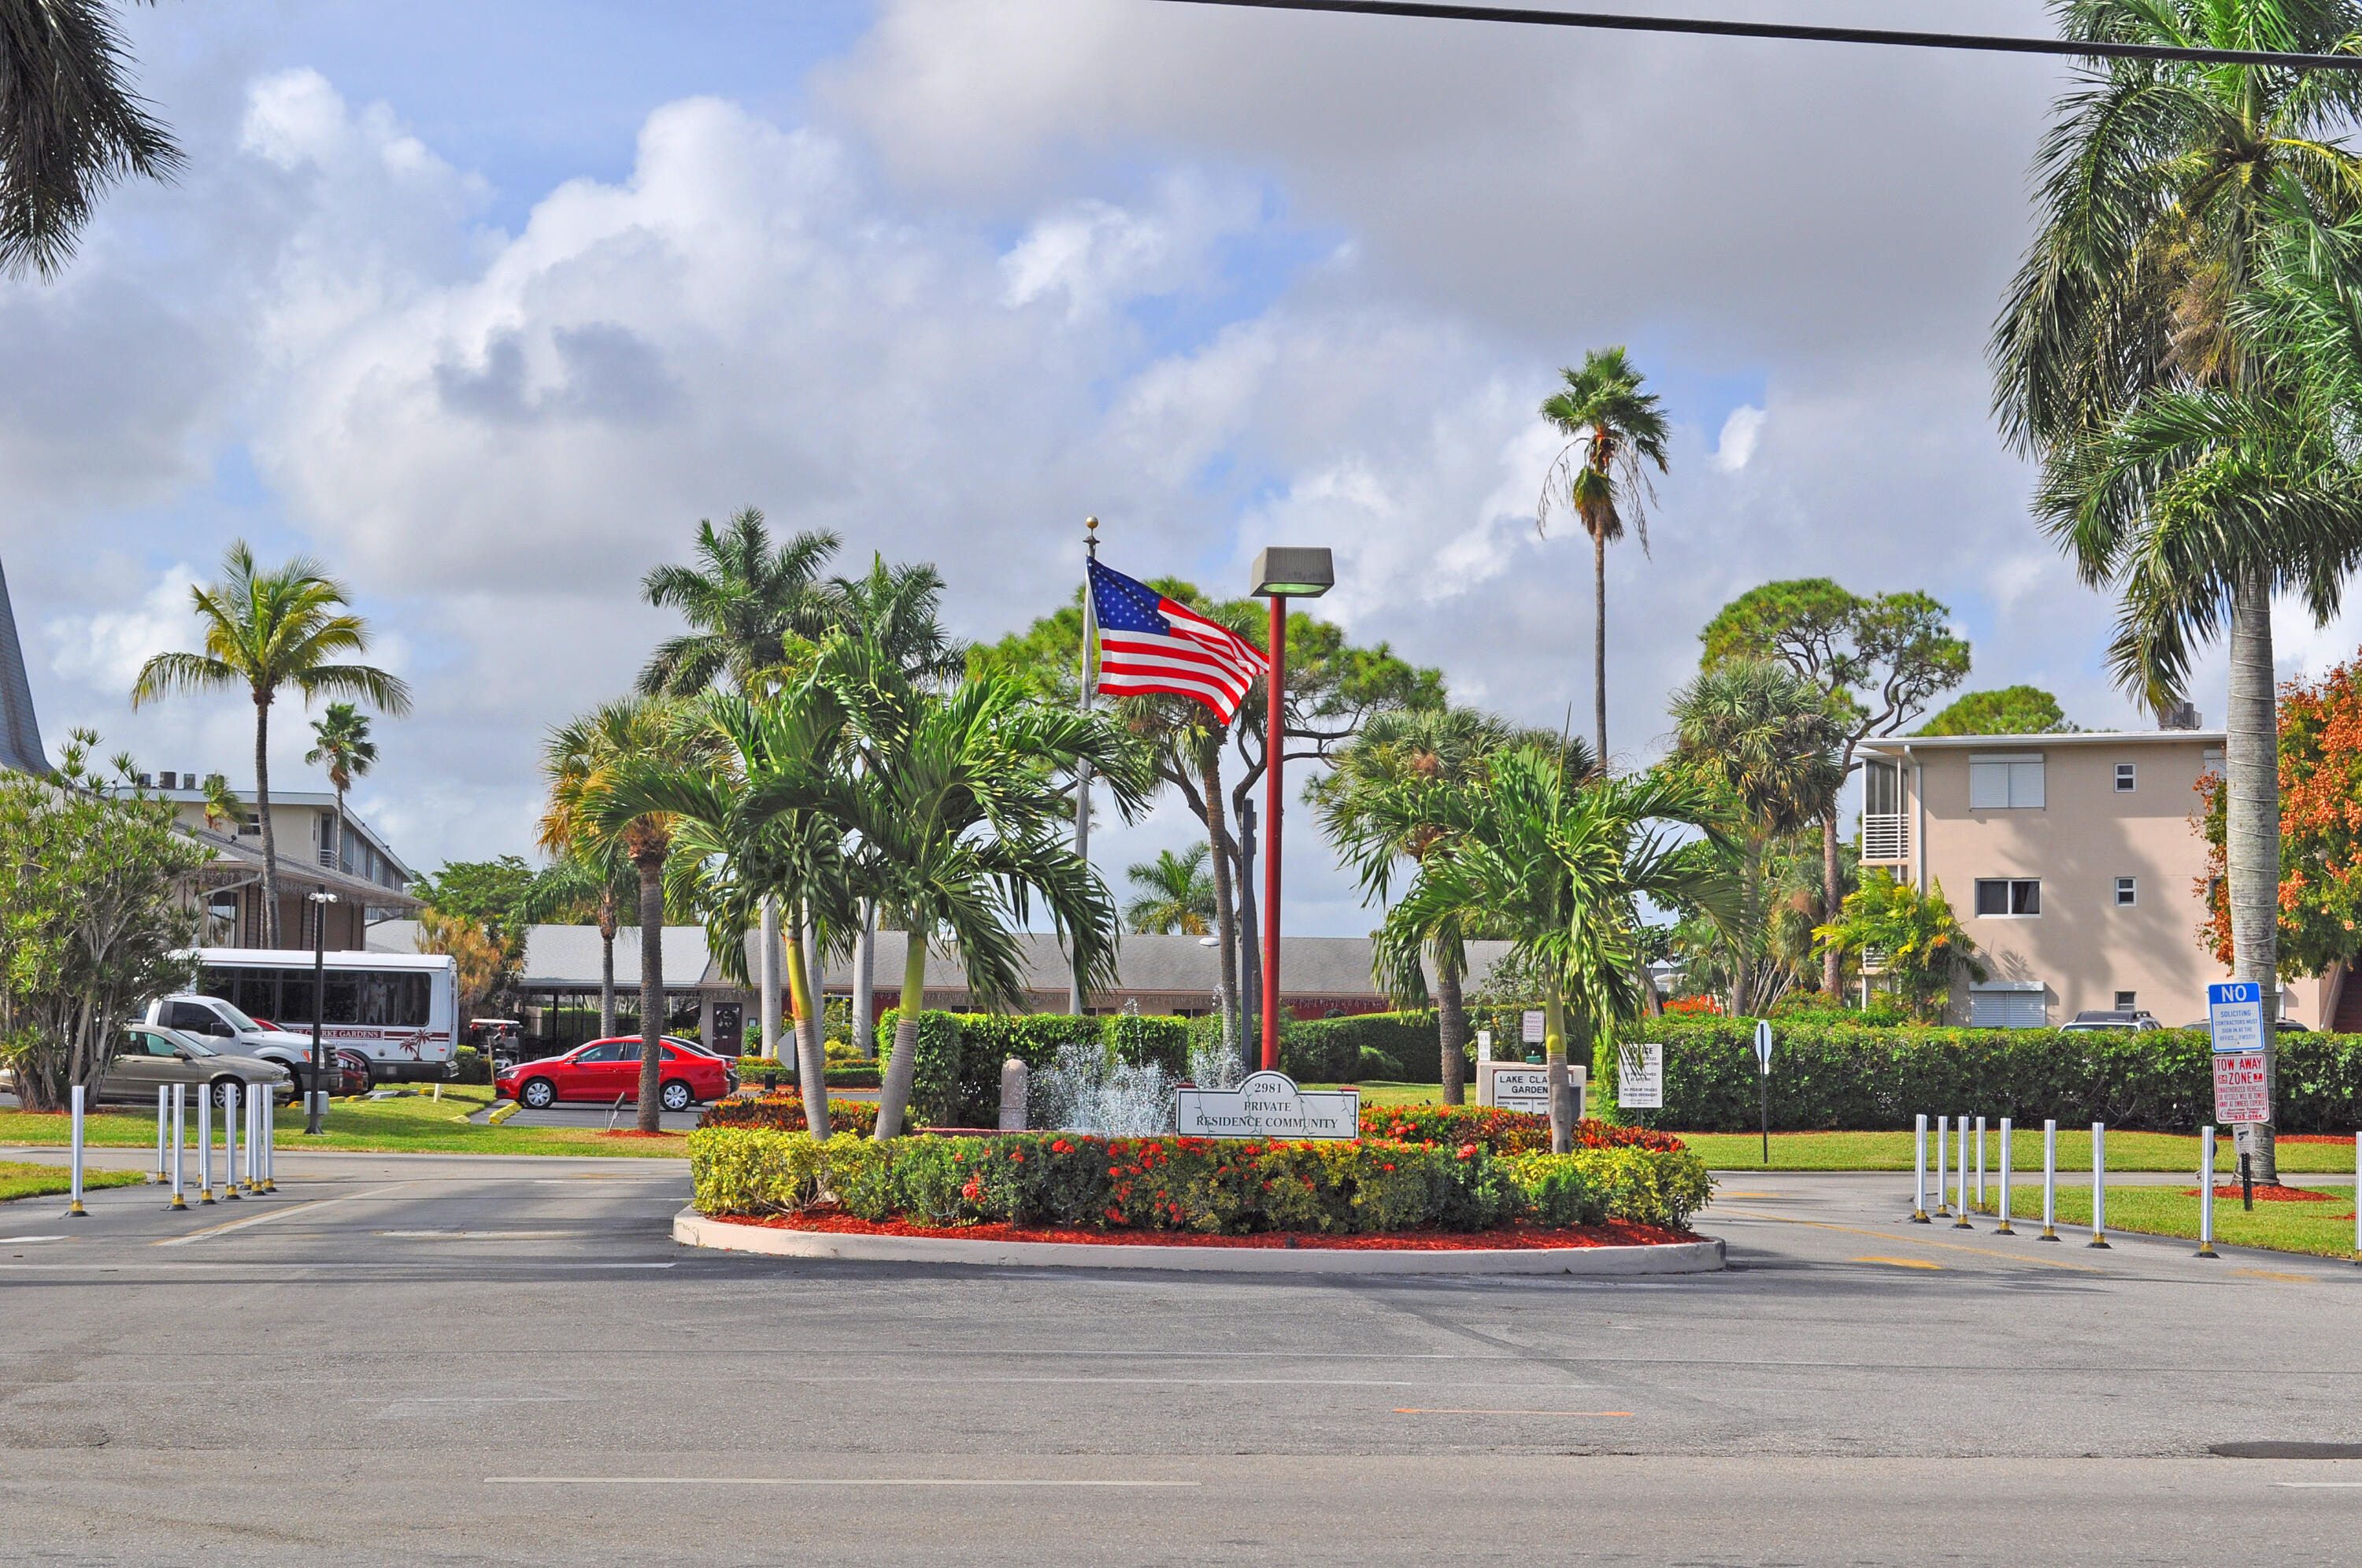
(2071, 860)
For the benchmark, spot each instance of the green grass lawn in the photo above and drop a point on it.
(2325, 1228)
(1892, 1152)
(422, 1125)
(20, 1180)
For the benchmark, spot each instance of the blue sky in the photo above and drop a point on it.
(486, 305)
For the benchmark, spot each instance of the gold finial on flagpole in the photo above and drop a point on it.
(1091, 538)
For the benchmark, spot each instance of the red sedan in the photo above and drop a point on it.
(605, 1068)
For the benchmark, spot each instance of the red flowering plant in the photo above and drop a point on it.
(1502, 1132)
(784, 1110)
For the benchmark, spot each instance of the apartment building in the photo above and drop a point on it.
(370, 881)
(2071, 860)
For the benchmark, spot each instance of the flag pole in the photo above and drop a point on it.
(1074, 998)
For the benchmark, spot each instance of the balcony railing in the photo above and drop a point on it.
(1885, 837)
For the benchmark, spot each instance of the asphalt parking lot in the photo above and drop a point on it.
(509, 1360)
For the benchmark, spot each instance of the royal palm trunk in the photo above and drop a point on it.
(2251, 829)
(262, 809)
(865, 982)
(1554, 1053)
(1451, 1024)
(894, 1097)
(812, 1060)
(1226, 916)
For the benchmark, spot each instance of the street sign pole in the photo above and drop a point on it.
(1763, 1073)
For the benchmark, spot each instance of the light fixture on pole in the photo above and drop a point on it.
(316, 1102)
(1280, 574)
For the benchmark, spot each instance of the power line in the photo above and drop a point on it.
(2078, 48)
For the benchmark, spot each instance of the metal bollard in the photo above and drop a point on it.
(180, 1097)
(2003, 1229)
(2098, 1184)
(1919, 1172)
(270, 1138)
(1981, 1162)
(2206, 1193)
(204, 1144)
(254, 1139)
(163, 1108)
(2049, 1181)
(1961, 1176)
(230, 1144)
(74, 1211)
(1943, 1194)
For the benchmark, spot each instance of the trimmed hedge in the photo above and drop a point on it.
(955, 1080)
(784, 1112)
(858, 1074)
(1399, 1047)
(1847, 1077)
(1226, 1187)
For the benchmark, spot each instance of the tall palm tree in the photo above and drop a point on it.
(1761, 735)
(70, 126)
(263, 630)
(1177, 896)
(1559, 864)
(582, 760)
(747, 602)
(962, 826)
(1613, 429)
(1399, 791)
(344, 743)
(2166, 188)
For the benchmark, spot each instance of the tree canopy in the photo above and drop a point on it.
(2011, 711)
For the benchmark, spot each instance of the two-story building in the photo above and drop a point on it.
(2073, 860)
(370, 881)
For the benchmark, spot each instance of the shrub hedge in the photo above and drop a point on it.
(1397, 1047)
(1503, 1131)
(784, 1112)
(1833, 1077)
(1226, 1187)
(956, 1078)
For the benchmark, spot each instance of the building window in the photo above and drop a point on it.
(252, 825)
(2009, 896)
(2128, 891)
(2006, 782)
(2127, 1001)
(2126, 776)
(2009, 1004)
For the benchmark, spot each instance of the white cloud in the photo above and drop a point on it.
(1738, 436)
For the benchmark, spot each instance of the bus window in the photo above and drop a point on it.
(343, 996)
(394, 998)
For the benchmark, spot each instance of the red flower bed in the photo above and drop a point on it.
(2266, 1194)
(2300, 1138)
(1503, 1131)
(1517, 1236)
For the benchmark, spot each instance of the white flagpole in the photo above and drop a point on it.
(1074, 998)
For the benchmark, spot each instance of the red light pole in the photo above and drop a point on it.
(1280, 575)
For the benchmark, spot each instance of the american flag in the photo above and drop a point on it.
(1148, 643)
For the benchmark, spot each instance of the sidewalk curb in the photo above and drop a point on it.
(692, 1229)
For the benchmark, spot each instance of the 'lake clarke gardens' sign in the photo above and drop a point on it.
(1268, 1105)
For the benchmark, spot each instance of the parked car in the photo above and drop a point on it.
(2090, 1022)
(224, 1029)
(2279, 1026)
(603, 1069)
(148, 1058)
(350, 1074)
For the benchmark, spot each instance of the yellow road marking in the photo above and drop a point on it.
(2271, 1274)
(1924, 1241)
(1902, 1263)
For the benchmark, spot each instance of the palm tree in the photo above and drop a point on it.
(961, 825)
(583, 760)
(2167, 188)
(70, 126)
(1177, 896)
(345, 746)
(1398, 790)
(601, 887)
(1558, 862)
(1613, 429)
(748, 602)
(264, 630)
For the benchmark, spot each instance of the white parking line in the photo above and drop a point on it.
(2319, 1485)
(14, 1241)
(274, 1214)
(805, 1481)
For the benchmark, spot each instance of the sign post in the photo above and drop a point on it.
(1641, 1078)
(2243, 1091)
(1531, 1031)
(1763, 1066)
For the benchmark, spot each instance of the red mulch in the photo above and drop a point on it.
(636, 1133)
(1614, 1234)
(2266, 1194)
(2306, 1138)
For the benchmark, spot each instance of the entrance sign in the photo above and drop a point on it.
(2242, 1091)
(1520, 1085)
(1268, 1105)
(1533, 1021)
(1641, 1078)
(2234, 1016)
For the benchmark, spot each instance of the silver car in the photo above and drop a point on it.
(148, 1058)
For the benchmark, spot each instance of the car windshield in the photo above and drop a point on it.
(238, 1020)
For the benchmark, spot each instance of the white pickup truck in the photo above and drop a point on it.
(223, 1027)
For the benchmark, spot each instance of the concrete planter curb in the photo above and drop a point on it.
(692, 1229)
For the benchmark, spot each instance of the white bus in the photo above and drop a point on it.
(400, 1010)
